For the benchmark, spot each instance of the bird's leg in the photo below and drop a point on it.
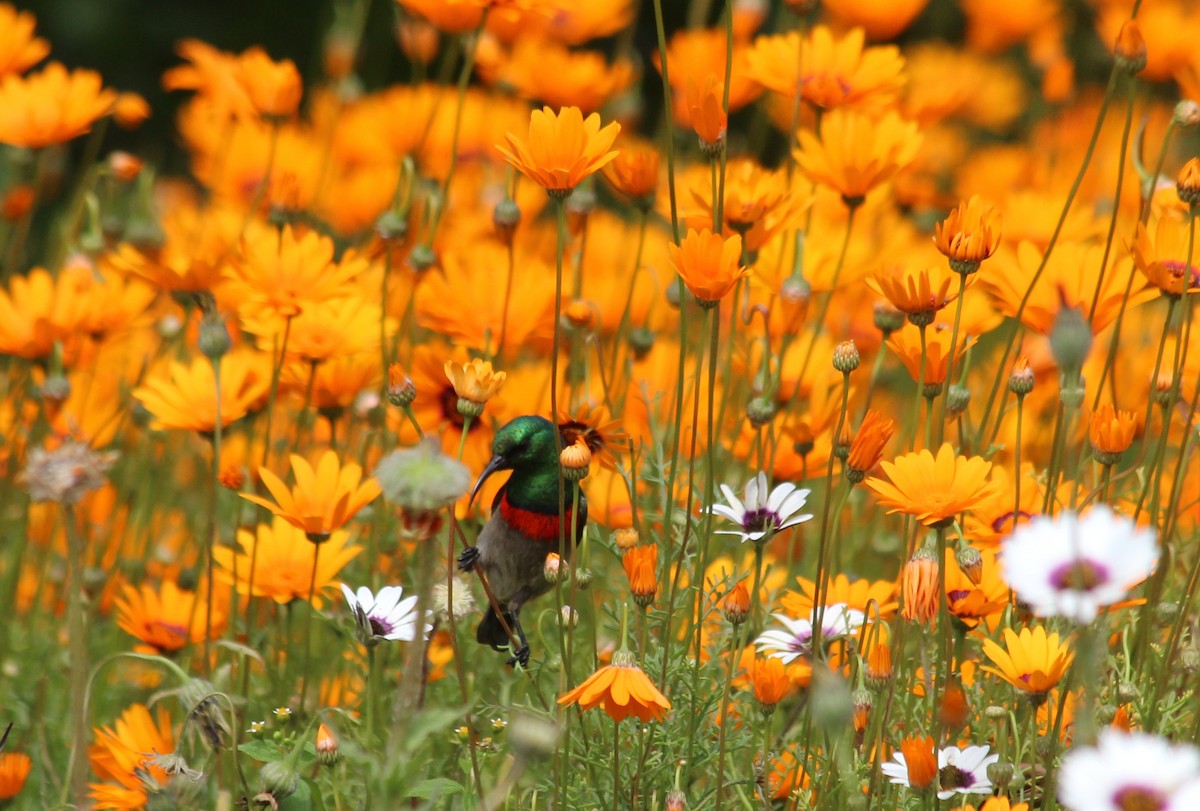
(468, 558)
(520, 655)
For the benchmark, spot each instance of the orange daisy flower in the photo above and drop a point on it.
(165, 619)
(829, 71)
(705, 101)
(51, 106)
(969, 235)
(934, 489)
(770, 681)
(856, 152)
(709, 264)
(906, 343)
(545, 71)
(919, 294)
(184, 396)
(621, 689)
(14, 769)
(451, 16)
(19, 48)
(634, 172)
(283, 568)
(1111, 432)
(474, 381)
(278, 274)
(881, 21)
(322, 500)
(855, 594)
(561, 150)
(273, 87)
(1164, 259)
(921, 760)
(122, 754)
(1032, 661)
(866, 449)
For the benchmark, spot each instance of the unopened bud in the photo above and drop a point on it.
(422, 258)
(641, 341)
(1105, 713)
(1188, 183)
(1070, 339)
(675, 801)
(735, 605)
(888, 319)
(845, 357)
(1001, 774)
(1020, 380)
(761, 410)
(401, 390)
(625, 539)
(391, 226)
(957, 399)
(213, 339)
(583, 579)
(1130, 49)
(1189, 660)
(532, 736)
(575, 460)
(971, 563)
(327, 746)
(570, 617)
(1127, 692)
(554, 569)
(861, 701)
(1187, 113)
(278, 779)
(506, 216)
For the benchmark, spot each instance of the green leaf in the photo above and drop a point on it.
(262, 750)
(434, 788)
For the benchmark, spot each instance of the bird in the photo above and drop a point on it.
(524, 527)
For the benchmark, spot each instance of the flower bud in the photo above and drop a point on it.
(278, 779)
(506, 216)
(327, 746)
(213, 339)
(675, 801)
(861, 701)
(887, 319)
(400, 388)
(1188, 183)
(532, 736)
(583, 579)
(1187, 113)
(845, 357)
(1070, 339)
(625, 539)
(761, 410)
(1001, 774)
(422, 258)
(1020, 380)
(553, 569)
(580, 314)
(1130, 49)
(957, 399)
(641, 341)
(575, 460)
(971, 563)
(391, 226)
(570, 617)
(735, 605)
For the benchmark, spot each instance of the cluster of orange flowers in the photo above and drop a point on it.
(940, 296)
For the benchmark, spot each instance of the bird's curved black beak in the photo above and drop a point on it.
(497, 462)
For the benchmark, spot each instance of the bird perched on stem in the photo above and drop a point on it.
(528, 523)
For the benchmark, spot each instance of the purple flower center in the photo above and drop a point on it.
(1079, 575)
(379, 627)
(760, 520)
(1178, 269)
(953, 778)
(1137, 798)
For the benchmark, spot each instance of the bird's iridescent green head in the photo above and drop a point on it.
(526, 445)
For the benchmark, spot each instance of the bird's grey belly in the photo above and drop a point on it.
(514, 563)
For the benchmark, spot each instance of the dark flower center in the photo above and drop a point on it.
(1136, 798)
(379, 627)
(760, 520)
(1080, 575)
(952, 778)
(1178, 269)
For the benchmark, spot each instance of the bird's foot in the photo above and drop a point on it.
(520, 657)
(468, 558)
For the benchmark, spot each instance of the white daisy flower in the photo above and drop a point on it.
(384, 615)
(762, 513)
(1072, 566)
(1130, 771)
(960, 771)
(837, 621)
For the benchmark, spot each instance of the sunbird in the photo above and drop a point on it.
(526, 526)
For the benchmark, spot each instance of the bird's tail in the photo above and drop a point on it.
(491, 631)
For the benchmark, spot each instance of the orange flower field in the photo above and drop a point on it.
(619, 404)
